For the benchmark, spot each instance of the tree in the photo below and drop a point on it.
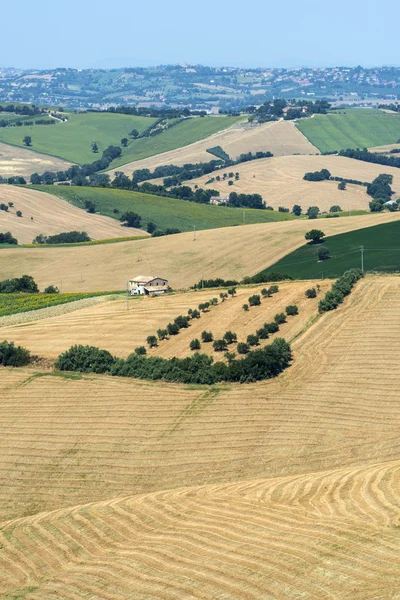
(223, 296)
(162, 334)
(124, 142)
(342, 185)
(242, 348)
(195, 344)
(262, 333)
(18, 213)
(220, 345)
(27, 140)
(36, 179)
(230, 337)
(207, 336)
(292, 310)
(315, 236)
(232, 292)
(254, 300)
(51, 289)
(95, 147)
(323, 253)
(312, 212)
(134, 133)
(204, 306)
(311, 293)
(280, 318)
(297, 210)
(182, 322)
(140, 350)
(151, 227)
(173, 329)
(131, 219)
(195, 314)
(152, 341)
(245, 307)
(252, 340)
(335, 208)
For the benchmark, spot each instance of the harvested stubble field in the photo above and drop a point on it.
(49, 215)
(111, 326)
(20, 161)
(280, 182)
(280, 137)
(295, 482)
(230, 253)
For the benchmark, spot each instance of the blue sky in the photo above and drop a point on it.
(118, 33)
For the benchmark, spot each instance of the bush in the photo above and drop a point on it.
(207, 336)
(292, 310)
(13, 356)
(172, 329)
(280, 318)
(140, 351)
(220, 345)
(195, 344)
(311, 293)
(152, 341)
(51, 289)
(243, 348)
(245, 307)
(323, 253)
(230, 337)
(252, 340)
(87, 359)
(18, 213)
(254, 300)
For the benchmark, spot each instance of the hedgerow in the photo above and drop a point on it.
(340, 289)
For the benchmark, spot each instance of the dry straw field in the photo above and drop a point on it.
(20, 161)
(108, 324)
(47, 214)
(280, 138)
(118, 489)
(280, 181)
(231, 252)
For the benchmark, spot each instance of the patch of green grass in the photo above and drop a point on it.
(164, 212)
(351, 128)
(11, 304)
(72, 140)
(381, 253)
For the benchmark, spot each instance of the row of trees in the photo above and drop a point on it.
(68, 237)
(372, 157)
(25, 284)
(340, 289)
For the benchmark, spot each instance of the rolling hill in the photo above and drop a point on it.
(351, 128)
(280, 182)
(283, 488)
(230, 252)
(21, 161)
(46, 214)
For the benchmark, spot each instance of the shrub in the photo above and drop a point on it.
(152, 341)
(243, 348)
(18, 213)
(13, 356)
(207, 336)
(280, 318)
(195, 344)
(323, 253)
(254, 300)
(230, 337)
(311, 293)
(220, 345)
(172, 329)
(162, 334)
(252, 340)
(140, 351)
(51, 289)
(245, 307)
(292, 310)
(87, 359)
(262, 333)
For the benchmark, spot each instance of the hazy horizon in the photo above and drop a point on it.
(291, 35)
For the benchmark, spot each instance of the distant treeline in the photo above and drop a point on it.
(371, 157)
(164, 113)
(297, 109)
(22, 109)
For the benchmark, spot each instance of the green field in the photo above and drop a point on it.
(72, 140)
(381, 253)
(11, 304)
(164, 212)
(351, 128)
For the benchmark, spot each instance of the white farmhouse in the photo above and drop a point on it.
(147, 284)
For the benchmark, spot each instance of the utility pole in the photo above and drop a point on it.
(244, 214)
(127, 295)
(362, 258)
(194, 233)
(61, 287)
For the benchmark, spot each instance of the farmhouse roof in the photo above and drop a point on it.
(145, 279)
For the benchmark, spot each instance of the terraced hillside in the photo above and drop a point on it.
(280, 137)
(280, 182)
(283, 488)
(230, 252)
(109, 325)
(42, 213)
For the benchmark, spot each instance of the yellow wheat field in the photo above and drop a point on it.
(231, 252)
(115, 488)
(24, 162)
(280, 137)
(47, 214)
(110, 325)
(280, 181)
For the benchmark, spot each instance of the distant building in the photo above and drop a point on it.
(219, 200)
(147, 284)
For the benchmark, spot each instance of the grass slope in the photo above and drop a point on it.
(353, 128)
(381, 253)
(165, 212)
